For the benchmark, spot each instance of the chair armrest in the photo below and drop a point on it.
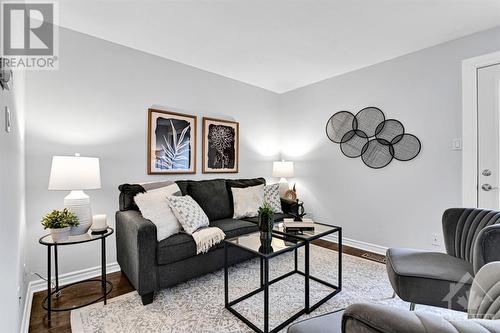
(450, 222)
(136, 250)
(486, 247)
(485, 293)
(378, 318)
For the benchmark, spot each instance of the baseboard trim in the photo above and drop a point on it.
(71, 277)
(358, 244)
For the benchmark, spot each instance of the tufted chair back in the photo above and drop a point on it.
(461, 227)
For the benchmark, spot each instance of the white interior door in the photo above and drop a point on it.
(488, 108)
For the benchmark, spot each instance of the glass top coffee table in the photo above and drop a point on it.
(265, 249)
(308, 237)
(280, 243)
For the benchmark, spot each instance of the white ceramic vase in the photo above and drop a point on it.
(60, 234)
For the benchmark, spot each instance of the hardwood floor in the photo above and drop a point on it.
(80, 294)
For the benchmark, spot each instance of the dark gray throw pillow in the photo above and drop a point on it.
(213, 198)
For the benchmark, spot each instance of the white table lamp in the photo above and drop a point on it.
(75, 174)
(283, 170)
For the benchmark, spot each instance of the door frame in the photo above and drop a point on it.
(470, 125)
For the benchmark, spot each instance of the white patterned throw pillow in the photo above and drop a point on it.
(272, 197)
(154, 206)
(247, 201)
(189, 213)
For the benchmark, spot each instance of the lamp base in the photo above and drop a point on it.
(78, 202)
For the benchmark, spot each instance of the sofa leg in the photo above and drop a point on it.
(147, 298)
(393, 294)
(412, 306)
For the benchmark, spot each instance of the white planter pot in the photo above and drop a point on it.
(60, 234)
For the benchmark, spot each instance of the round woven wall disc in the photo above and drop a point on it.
(353, 143)
(389, 131)
(376, 155)
(338, 125)
(406, 148)
(368, 119)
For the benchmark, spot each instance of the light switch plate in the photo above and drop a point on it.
(457, 144)
(7, 120)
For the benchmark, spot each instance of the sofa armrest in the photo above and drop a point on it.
(486, 247)
(136, 250)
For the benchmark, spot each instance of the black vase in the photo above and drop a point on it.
(266, 223)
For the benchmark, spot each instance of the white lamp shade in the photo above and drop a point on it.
(74, 173)
(283, 169)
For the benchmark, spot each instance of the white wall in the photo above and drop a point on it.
(12, 205)
(96, 104)
(402, 204)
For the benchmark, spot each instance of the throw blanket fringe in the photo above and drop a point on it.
(205, 238)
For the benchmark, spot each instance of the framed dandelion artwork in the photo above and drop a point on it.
(220, 146)
(171, 142)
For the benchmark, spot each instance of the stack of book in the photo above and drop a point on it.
(298, 226)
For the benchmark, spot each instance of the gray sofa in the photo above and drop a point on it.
(151, 265)
(472, 239)
(483, 309)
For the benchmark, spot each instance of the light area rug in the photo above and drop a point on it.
(198, 305)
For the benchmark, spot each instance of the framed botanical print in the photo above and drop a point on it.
(220, 146)
(171, 142)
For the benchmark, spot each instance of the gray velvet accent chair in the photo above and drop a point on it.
(483, 312)
(472, 239)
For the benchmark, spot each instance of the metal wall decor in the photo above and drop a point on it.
(372, 137)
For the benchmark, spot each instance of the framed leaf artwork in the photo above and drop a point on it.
(220, 146)
(171, 142)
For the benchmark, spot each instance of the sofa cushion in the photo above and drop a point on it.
(174, 248)
(234, 228)
(183, 186)
(182, 246)
(212, 197)
(427, 277)
(189, 213)
(128, 192)
(241, 183)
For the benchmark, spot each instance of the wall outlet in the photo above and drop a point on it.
(435, 240)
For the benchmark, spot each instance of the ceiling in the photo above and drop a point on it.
(279, 45)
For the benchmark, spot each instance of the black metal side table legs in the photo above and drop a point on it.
(106, 286)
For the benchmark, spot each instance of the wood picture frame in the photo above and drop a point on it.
(221, 146)
(171, 142)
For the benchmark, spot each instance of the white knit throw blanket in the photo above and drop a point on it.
(205, 238)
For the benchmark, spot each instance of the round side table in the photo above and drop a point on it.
(72, 240)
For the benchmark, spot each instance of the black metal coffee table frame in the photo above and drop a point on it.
(308, 239)
(264, 285)
(47, 241)
(302, 240)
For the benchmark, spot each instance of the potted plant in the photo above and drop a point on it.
(59, 222)
(266, 220)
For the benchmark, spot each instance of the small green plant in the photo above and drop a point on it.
(266, 210)
(58, 219)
